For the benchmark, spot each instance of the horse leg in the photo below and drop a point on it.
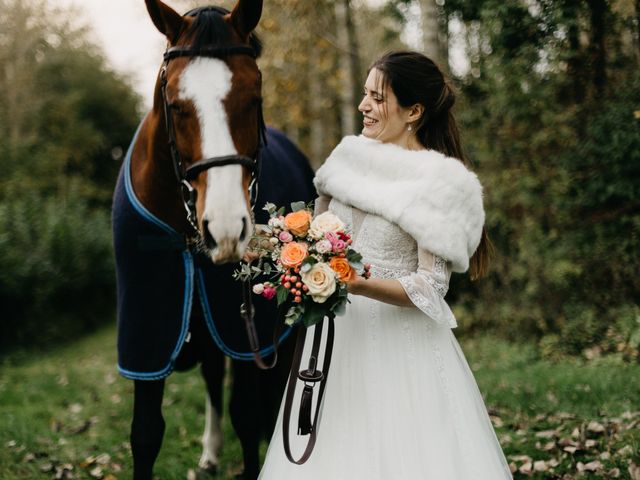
(213, 374)
(244, 410)
(147, 427)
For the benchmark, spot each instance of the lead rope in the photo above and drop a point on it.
(310, 377)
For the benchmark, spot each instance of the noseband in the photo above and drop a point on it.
(185, 175)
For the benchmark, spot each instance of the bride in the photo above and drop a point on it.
(401, 401)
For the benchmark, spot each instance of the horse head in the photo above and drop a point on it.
(209, 94)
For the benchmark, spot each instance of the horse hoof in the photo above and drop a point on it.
(208, 473)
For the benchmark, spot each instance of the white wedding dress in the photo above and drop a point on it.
(400, 402)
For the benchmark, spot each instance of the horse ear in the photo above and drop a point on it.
(167, 20)
(246, 15)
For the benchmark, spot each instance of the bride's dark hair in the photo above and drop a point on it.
(415, 78)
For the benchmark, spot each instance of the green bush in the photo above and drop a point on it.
(56, 268)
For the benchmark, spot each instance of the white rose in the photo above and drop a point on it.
(258, 288)
(321, 281)
(323, 246)
(323, 223)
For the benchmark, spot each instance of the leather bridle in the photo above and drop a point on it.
(186, 174)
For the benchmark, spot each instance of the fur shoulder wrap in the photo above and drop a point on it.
(434, 198)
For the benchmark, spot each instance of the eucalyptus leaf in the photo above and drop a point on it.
(295, 206)
(281, 294)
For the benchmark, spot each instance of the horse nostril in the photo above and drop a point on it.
(243, 233)
(209, 241)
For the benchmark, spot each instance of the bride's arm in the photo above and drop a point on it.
(387, 290)
(424, 288)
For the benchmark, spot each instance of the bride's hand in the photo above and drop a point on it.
(358, 283)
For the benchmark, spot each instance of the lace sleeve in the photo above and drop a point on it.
(427, 288)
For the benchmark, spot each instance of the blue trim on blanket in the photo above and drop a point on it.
(187, 258)
(131, 195)
(214, 331)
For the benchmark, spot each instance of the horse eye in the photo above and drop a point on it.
(177, 109)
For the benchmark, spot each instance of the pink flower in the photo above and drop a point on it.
(285, 237)
(258, 288)
(269, 292)
(324, 246)
(332, 237)
(338, 245)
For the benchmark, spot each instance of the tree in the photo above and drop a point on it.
(64, 118)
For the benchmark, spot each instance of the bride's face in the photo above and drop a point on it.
(384, 119)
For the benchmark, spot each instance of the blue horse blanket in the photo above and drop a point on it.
(158, 277)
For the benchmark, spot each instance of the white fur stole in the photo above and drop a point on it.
(434, 198)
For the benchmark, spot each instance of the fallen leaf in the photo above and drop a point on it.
(29, 457)
(526, 468)
(88, 461)
(595, 427)
(625, 451)
(548, 446)
(540, 466)
(103, 459)
(614, 473)
(570, 449)
(520, 458)
(546, 434)
(634, 471)
(590, 443)
(605, 456)
(75, 408)
(96, 472)
(46, 467)
(513, 467)
(593, 466)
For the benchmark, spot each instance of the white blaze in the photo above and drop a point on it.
(206, 82)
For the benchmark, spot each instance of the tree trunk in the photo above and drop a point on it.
(316, 126)
(349, 64)
(597, 46)
(430, 31)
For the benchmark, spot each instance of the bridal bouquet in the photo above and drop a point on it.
(306, 261)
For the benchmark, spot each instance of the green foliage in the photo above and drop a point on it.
(549, 113)
(65, 121)
(56, 267)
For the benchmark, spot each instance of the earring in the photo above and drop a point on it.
(409, 128)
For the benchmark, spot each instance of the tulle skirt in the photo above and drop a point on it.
(400, 403)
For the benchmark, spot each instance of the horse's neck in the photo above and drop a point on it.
(152, 173)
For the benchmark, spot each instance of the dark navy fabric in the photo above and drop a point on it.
(158, 278)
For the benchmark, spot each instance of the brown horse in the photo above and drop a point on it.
(183, 201)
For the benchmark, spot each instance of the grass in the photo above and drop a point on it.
(66, 412)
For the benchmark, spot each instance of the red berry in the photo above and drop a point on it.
(297, 269)
(294, 278)
(305, 288)
(298, 284)
(287, 285)
(282, 277)
(297, 299)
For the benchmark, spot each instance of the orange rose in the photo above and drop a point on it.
(298, 222)
(293, 253)
(343, 270)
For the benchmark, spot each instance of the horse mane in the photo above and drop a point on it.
(210, 29)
